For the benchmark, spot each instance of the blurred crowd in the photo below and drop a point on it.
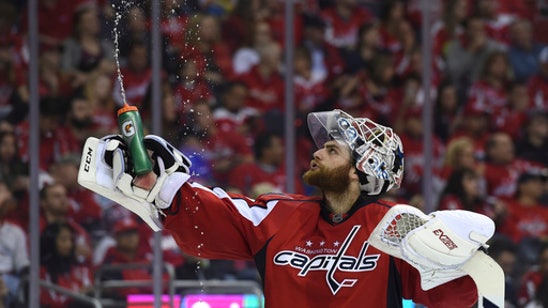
(223, 90)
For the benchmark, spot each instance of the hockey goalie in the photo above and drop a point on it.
(346, 247)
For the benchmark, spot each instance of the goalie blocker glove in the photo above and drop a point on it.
(105, 169)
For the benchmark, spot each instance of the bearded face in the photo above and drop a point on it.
(332, 179)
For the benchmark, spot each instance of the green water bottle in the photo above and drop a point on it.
(131, 126)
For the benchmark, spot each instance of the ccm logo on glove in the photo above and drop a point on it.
(446, 240)
(88, 159)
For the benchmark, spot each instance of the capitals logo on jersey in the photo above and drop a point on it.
(331, 261)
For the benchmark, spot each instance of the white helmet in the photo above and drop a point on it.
(376, 149)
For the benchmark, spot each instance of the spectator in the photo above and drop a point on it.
(191, 87)
(391, 15)
(533, 283)
(170, 115)
(343, 21)
(55, 140)
(55, 208)
(79, 120)
(55, 20)
(52, 82)
(237, 28)
(411, 137)
(173, 25)
(326, 58)
(60, 266)
(233, 114)
(129, 249)
(83, 208)
(8, 81)
(533, 144)
(224, 149)
(527, 218)
(538, 83)
(448, 28)
(247, 56)
(264, 81)
(466, 56)
(523, 51)
(273, 12)
(502, 168)
(462, 192)
(14, 257)
(13, 171)
(132, 28)
(497, 23)
(268, 167)
(205, 45)
(311, 91)
(446, 111)
(505, 253)
(490, 91)
(378, 88)
(98, 92)
(84, 53)
(459, 154)
(475, 125)
(359, 58)
(513, 116)
(137, 76)
(202, 164)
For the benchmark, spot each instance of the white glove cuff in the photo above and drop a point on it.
(169, 188)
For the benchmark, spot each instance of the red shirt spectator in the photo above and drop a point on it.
(129, 249)
(136, 77)
(533, 278)
(55, 22)
(55, 141)
(512, 117)
(343, 21)
(525, 221)
(268, 168)
(191, 88)
(60, 266)
(224, 149)
(204, 44)
(233, 114)
(411, 139)
(266, 88)
(310, 88)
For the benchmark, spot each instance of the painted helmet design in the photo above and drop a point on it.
(376, 149)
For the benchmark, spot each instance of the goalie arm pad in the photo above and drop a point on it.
(436, 244)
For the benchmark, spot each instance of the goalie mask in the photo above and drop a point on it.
(376, 150)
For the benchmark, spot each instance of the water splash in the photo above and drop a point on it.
(118, 17)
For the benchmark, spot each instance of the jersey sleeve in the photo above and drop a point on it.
(211, 223)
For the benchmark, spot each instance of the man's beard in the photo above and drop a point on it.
(334, 180)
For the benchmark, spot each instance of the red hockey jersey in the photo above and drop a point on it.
(306, 257)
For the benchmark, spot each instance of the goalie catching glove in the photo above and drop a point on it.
(106, 169)
(437, 245)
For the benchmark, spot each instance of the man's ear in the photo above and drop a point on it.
(354, 174)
